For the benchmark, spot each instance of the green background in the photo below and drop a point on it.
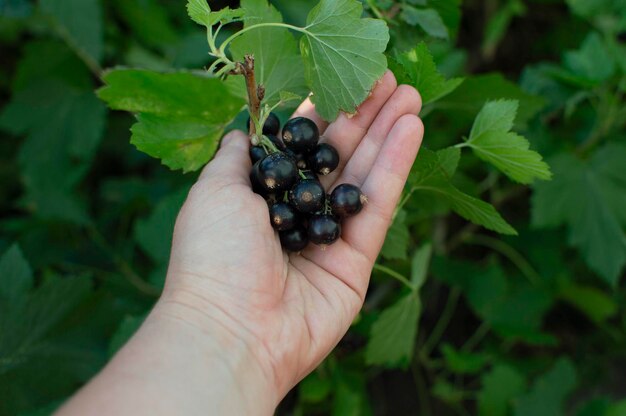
(533, 324)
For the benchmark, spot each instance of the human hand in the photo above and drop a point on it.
(227, 265)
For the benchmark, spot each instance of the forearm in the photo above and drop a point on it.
(182, 363)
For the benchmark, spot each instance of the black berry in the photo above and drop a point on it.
(347, 200)
(255, 180)
(324, 229)
(271, 125)
(299, 158)
(301, 135)
(308, 196)
(294, 240)
(277, 142)
(277, 172)
(324, 159)
(257, 153)
(283, 216)
(309, 174)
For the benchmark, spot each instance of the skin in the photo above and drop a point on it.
(240, 322)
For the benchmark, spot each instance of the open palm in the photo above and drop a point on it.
(227, 262)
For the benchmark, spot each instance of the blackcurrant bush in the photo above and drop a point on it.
(277, 172)
(294, 240)
(347, 200)
(257, 153)
(308, 196)
(324, 159)
(271, 125)
(301, 135)
(283, 216)
(324, 229)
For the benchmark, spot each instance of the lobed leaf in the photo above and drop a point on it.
(278, 65)
(392, 337)
(80, 24)
(492, 142)
(343, 55)
(432, 173)
(588, 198)
(499, 387)
(181, 115)
(417, 68)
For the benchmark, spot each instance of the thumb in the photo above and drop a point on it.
(232, 160)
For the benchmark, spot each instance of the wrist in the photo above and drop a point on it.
(231, 357)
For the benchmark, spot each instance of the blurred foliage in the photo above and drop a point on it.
(458, 319)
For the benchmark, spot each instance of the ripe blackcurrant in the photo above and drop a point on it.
(257, 153)
(276, 140)
(309, 174)
(255, 180)
(299, 158)
(294, 240)
(324, 159)
(277, 172)
(283, 216)
(271, 125)
(347, 200)
(324, 229)
(307, 196)
(301, 135)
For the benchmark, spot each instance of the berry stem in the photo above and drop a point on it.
(255, 92)
(302, 175)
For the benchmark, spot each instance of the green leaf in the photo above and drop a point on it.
(592, 61)
(392, 337)
(509, 152)
(396, 243)
(200, 12)
(343, 55)
(54, 106)
(314, 388)
(278, 65)
(430, 174)
(79, 22)
(419, 265)
(499, 387)
(181, 117)
(547, 395)
(461, 362)
(495, 115)
(417, 68)
(24, 325)
(16, 276)
(428, 19)
(582, 196)
(153, 234)
(475, 91)
(125, 330)
(591, 301)
(149, 21)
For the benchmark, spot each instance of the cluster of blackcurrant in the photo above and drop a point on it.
(285, 172)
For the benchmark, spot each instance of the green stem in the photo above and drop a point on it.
(510, 253)
(222, 50)
(394, 274)
(442, 323)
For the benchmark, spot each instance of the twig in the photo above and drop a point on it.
(255, 92)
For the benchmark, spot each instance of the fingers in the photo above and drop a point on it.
(231, 162)
(383, 186)
(346, 132)
(404, 101)
(307, 109)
